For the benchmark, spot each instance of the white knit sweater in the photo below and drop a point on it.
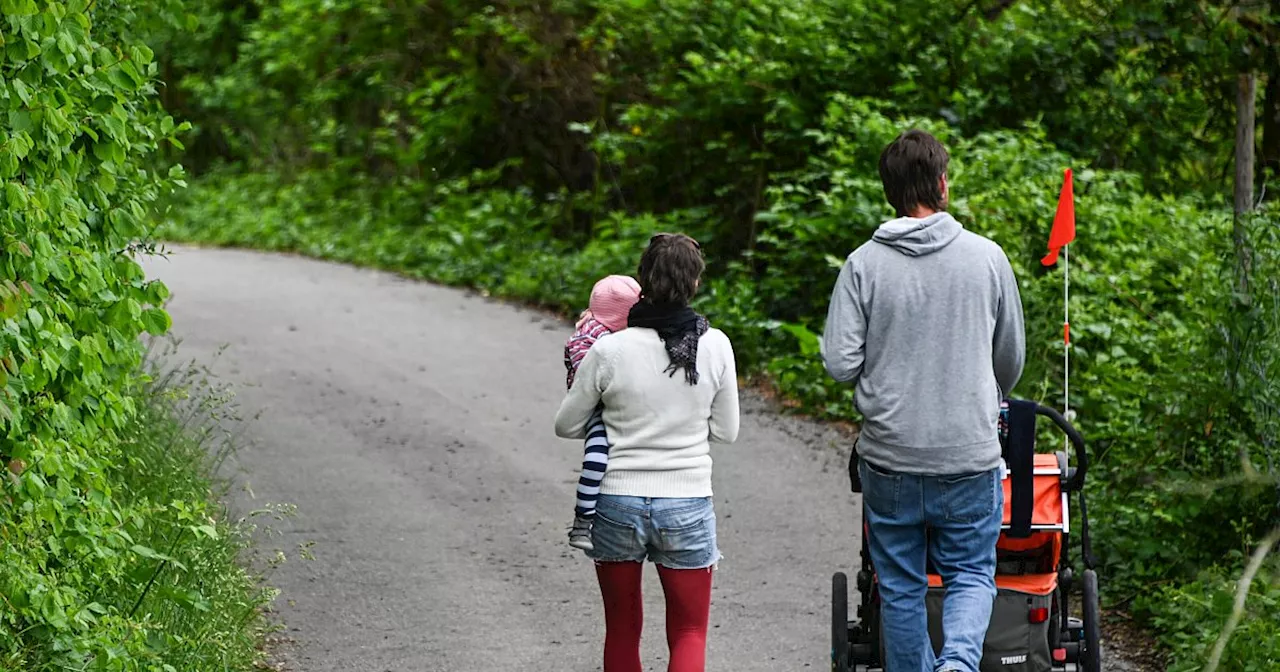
(659, 425)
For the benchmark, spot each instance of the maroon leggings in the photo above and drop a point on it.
(688, 593)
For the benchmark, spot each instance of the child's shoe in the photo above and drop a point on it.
(580, 533)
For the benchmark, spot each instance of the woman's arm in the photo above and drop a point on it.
(575, 411)
(724, 406)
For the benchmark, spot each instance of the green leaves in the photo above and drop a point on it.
(115, 124)
(807, 341)
(18, 7)
(20, 88)
(109, 152)
(124, 76)
(15, 196)
(208, 531)
(156, 321)
(154, 555)
(141, 54)
(20, 121)
(88, 488)
(66, 44)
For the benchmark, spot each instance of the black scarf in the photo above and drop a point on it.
(679, 327)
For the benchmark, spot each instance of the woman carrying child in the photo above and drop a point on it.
(668, 386)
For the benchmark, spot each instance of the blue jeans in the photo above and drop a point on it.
(962, 515)
(676, 533)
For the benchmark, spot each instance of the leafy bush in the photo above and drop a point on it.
(173, 596)
(1188, 618)
(654, 106)
(81, 525)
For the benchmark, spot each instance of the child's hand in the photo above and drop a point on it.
(586, 315)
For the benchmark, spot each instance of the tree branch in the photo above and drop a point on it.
(1242, 594)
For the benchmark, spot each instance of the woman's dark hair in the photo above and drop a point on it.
(910, 168)
(670, 268)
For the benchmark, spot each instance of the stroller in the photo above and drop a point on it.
(1031, 629)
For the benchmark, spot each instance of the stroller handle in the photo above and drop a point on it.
(1076, 480)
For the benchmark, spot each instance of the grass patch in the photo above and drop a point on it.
(179, 597)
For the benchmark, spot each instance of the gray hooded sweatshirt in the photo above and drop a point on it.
(926, 321)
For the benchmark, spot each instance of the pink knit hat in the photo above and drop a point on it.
(612, 298)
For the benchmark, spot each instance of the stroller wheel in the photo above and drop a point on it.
(1091, 656)
(839, 623)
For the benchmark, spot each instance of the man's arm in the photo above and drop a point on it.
(843, 339)
(1009, 345)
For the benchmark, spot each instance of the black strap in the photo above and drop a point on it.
(855, 477)
(1020, 456)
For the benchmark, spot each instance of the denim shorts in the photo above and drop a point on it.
(676, 533)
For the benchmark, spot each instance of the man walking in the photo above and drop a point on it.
(926, 321)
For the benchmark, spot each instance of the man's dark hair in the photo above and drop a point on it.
(670, 268)
(910, 168)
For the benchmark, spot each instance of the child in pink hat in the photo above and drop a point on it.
(611, 301)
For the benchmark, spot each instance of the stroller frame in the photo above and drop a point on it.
(1075, 643)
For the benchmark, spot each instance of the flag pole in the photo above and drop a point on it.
(1060, 238)
(1066, 331)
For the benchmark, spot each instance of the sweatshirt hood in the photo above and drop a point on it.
(918, 237)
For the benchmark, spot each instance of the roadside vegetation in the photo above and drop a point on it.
(115, 554)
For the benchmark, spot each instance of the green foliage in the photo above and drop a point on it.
(1189, 617)
(162, 591)
(655, 106)
(77, 535)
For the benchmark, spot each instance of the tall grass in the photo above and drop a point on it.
(202, 599)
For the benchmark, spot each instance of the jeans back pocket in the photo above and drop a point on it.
(615, 541)
(968, 498)
(880, 490)
(686, 537)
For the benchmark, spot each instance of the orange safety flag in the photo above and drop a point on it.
(1064, 223)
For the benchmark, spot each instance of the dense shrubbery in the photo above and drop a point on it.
(653, 105)
(97, 493)
(528, 147)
